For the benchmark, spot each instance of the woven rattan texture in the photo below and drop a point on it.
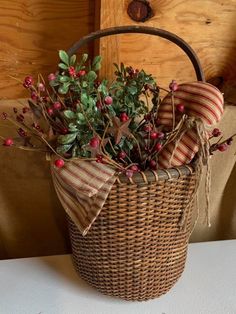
(136, 249)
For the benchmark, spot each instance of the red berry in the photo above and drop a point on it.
(129, 173)
(180, 108)
(153, 135)
(147, 117)
(4, 115)
(59, 163)
(45, 98)
(173, 86)
(20, 118)
(34, 96)
(153, 164)
(216, 132)
(130, 70)
(25, 109)
(158, 147)
(8, 142)
(222, 147)
(64, 131)
(158, 121)
(147, 128)
(94, 142)
(134, 168)
(51, 77)
(22, 132)
(124, 117)
(160, 135)
(50, 111)
(99, 104)
(72, 71)
(100, 159)
(108, 100)
(41, 87)
(229, 141)
(28, 81)
(122, 155)
(81, 73)
(97, 84)
(57, 105)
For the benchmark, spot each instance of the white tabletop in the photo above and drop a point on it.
(49, 285)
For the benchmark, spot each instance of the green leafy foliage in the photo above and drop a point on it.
(88, 113)
(96, 65)
(69, 114)
(62, 149)
(80, 107)
(91, 76)
(64, 57)
(66, 139)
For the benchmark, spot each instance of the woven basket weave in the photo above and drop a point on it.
(136, 248)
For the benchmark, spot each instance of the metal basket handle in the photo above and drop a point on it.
(143, 30)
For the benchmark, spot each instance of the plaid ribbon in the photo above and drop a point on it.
(82, 188)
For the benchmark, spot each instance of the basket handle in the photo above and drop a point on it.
(143, 30)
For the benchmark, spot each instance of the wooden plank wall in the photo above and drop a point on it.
(207, 25)
(31, 33)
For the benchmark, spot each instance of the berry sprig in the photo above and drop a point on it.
(74, 115)
(220, 145)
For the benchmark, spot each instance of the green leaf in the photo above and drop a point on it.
(91, 76)
(121, 143)
(63, 149)
(116, 66)
(84, 58)
(63, 66)
(73, 128)
(81, 118)
(74, 151)
(111, 110)
(64, 88)
(102, 88)
(129, 145)
(91, 102)
(54, 83)
(64, 57)
(84, 98)
(96, 65)
(72, 60)
(66, 139)
(132, 90)
(84, 84)
(69, 114)
(63, 79)
(96, 60)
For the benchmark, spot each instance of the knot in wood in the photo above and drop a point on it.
(140, 10)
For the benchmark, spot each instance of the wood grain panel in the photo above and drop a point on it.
(111, 13)
(207, 25)
(31, 33)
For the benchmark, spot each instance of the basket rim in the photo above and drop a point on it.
(149, 176)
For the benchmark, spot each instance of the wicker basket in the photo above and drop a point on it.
(136, 249)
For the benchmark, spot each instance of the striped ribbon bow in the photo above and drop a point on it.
(83, 187)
